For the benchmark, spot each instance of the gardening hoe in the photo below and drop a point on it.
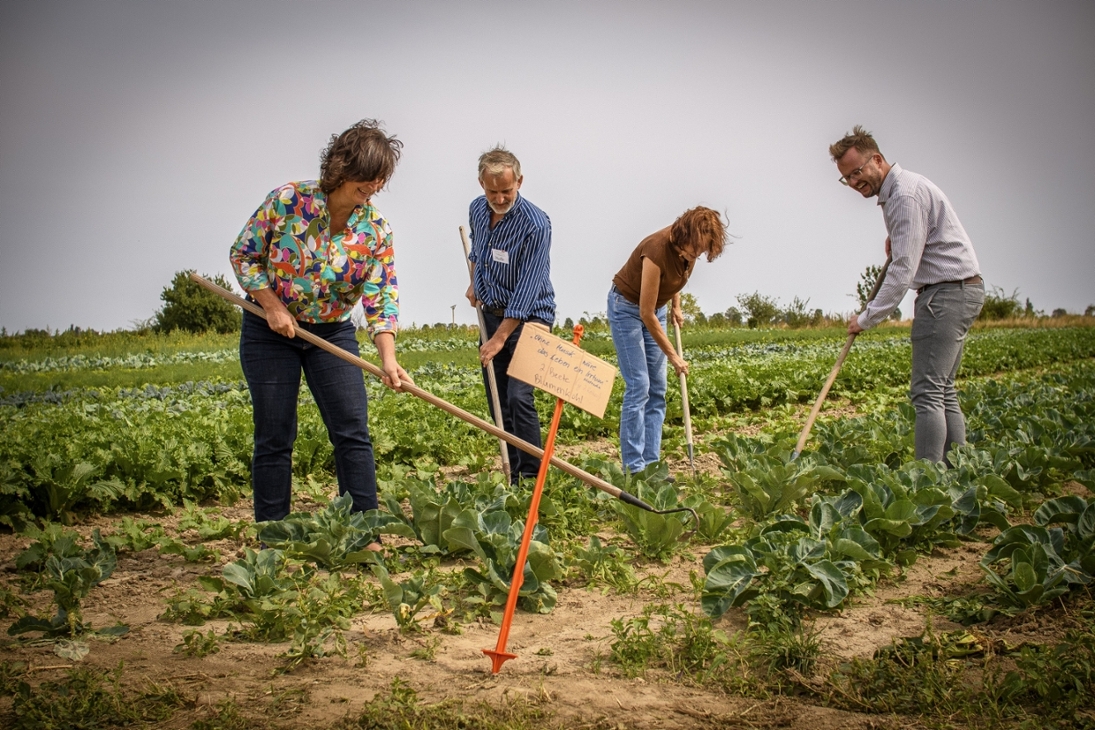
(498, 655)
(492, 381)
(684, 404)
(566, 467)
(836, 369)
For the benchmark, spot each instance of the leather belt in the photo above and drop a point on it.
(975, 279)
(497, 312)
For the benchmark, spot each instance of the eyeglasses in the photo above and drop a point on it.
(845, 179)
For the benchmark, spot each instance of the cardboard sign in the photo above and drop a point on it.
(563, 369)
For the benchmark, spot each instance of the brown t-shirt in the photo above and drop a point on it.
(674, 270)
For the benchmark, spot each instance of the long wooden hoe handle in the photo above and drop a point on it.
(432, 399)
(836, 369)
(684, 404)
(492, 379)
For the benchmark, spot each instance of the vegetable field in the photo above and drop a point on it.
(851, 587)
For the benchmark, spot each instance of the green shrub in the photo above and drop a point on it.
(190, 307)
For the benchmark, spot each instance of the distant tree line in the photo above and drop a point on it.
(191, 308)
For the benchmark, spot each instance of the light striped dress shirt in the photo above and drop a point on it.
(928, 244)
(513, 261)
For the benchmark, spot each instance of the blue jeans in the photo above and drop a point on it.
(519, 416)
(272, 365)
(642, 365)
(944, 314)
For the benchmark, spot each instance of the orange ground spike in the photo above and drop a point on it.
(498, 655)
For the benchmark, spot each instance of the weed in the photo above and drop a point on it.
(427, 648)
(604, 565)
(796, 648)
(10, 603)
(196, 644)
(227, 717)
(362, 652)
(401, 709)
(960, 677)
(88, 698)
(672, 638)
(965, 610)
(11, 674)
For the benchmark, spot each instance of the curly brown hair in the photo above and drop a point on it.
(701, 226)
(362, 153)
(859, 138)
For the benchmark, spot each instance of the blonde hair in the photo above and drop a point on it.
(495, 161)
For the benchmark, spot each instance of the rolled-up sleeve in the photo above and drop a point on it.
(907, 224)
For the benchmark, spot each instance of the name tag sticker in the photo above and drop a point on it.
(499, 256)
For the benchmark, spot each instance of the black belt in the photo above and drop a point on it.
(975, 279)
(497, 312)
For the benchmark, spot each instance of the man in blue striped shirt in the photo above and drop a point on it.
(931, 253)
(511, 245)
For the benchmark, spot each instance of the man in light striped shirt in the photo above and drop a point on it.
(511, 245)
(931, 253)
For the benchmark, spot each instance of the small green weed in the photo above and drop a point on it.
(960, 678)
(226, 717)
(88, 698)
(401, 709)
(604, 565)
(670, 638)
(196, 644)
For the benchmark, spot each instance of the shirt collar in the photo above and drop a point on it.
(888, 184)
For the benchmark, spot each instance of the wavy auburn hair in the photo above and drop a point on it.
(362, 153)
(702, 227)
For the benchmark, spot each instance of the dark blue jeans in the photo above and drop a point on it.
(272, 365)
(519, 416)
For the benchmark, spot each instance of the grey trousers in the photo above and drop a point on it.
(944, 314)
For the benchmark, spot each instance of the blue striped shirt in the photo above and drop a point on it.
(928, 244)
(513, 260)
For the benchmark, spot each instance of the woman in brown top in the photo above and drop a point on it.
(652, 277)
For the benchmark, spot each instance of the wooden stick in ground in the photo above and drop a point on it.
(566, 467)
(684, 403)
(836, 369)
(492, 380)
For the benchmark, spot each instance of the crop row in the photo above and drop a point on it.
(126, 448)
(858, 504)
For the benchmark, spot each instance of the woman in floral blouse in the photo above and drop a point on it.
(307, 255)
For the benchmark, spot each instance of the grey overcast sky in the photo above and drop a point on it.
(137, 137)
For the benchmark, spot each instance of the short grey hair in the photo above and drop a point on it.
(495, 161)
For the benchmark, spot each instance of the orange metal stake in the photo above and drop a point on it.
(498, 655)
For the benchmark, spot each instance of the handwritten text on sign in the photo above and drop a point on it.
(561, 368)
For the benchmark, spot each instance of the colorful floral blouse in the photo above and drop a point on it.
(287, 246)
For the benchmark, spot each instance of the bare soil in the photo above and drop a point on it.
(558, 664)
